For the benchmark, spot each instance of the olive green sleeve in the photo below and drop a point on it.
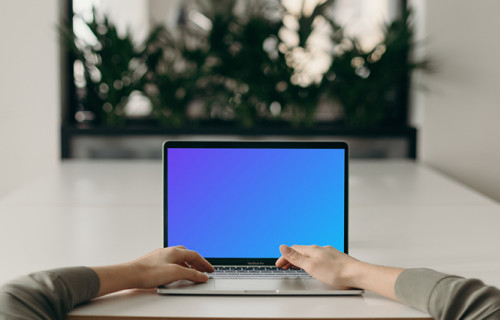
(446, 296)
(48, 294)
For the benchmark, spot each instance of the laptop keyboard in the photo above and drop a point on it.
(256, 272)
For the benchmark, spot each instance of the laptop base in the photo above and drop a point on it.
(268, 287)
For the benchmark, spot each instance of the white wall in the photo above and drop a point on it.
(460, 129)
(29, 91)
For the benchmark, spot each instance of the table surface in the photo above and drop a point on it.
(401, 213)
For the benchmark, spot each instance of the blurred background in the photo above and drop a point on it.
(101, 79)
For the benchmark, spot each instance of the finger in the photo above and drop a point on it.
(182, 273)
(288, 266)
(281, 262)
(196, 261)
(306, 250)
(294, 257)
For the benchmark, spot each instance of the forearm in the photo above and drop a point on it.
(441, 295)
(445, 296)
(117, 277)
(47, 294)
(378, 279)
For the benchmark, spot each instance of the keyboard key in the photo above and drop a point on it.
(264, 272)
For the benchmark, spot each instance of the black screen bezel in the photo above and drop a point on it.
(255, 145)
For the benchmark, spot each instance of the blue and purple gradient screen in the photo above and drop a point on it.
(244, 203)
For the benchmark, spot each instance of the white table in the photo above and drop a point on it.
(104, 212)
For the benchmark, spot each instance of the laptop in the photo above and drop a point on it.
(236, 202)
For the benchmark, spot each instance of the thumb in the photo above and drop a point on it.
(183, 273)
(293, 256)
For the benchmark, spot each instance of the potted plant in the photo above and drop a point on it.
(239, 68)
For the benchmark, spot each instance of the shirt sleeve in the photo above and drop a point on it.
(445, 296)
(48, 294)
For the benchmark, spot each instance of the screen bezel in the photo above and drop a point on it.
(254, 145)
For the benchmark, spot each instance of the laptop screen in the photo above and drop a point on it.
(243, 200)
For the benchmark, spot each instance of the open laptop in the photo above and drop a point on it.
(236, 202)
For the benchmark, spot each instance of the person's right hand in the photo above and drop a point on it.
(166, 265)
(326, 264)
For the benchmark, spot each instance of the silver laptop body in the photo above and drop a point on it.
(235, 202)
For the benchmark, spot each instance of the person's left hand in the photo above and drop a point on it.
(326, 264)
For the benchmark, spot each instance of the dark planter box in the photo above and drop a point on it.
(138, 131)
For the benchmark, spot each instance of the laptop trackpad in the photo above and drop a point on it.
(258, 285)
